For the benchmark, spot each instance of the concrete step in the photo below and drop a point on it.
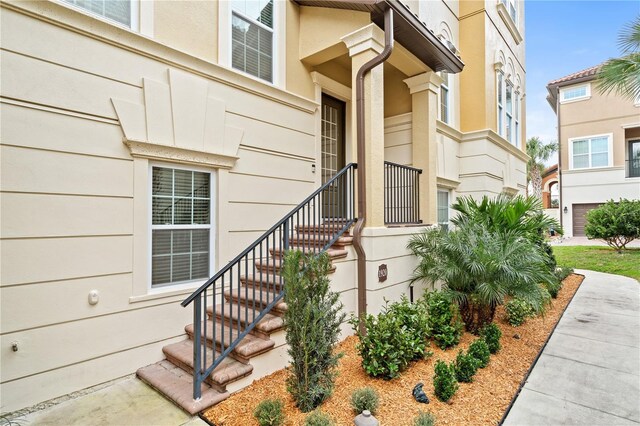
(251, 295)
(333, 253)
(269, 282)
(326, 227)
(319, 241)
(177, 385)
(275, 264)
(229, 370)
(249, 347)
(241, 316)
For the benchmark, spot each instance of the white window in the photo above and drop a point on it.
(180, 226)
(508, 131)
(499, 91)
(575, 93)
(124, 12)
(590, 152)
(515, 139)
(511, 7)
(444, 97)
(252, 37)
(508, 110)
(443, 207)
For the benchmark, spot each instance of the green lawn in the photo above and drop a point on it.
(601, 259)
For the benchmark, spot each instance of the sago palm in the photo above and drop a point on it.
(538, 153)
(479, 268)
(622, 75)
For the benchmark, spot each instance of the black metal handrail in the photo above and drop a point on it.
(313, 226)
(633, 167)
(401, 194)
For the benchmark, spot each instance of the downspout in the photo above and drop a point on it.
(362, 206)
(559, 160)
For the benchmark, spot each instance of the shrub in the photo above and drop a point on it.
(617, 223)
(443, 320)
(415, 319)
(491, 334)
(553, 288)
(269, 412)
(424, 419)
(444, 381)
(465, 367)
(517, 311)
(480, 351)
(318, 418)
(479, 267)
(365, 399)
(563, 272)
(312, 320)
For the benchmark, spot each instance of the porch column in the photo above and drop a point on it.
(364, 44)
(424, 90)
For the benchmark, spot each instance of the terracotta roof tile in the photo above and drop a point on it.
(576, 75)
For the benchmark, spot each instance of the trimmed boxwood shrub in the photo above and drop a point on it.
(444, 323)
(465, 367)
(480, 351)
(491, 334)
(269, 412)
(445, 383)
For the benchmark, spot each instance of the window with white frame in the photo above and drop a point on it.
(180, 226)
(252, 38)
(120, 11)
(508, 130)
(499, 91)
(594, 151)
(508, 101)
(511, 7)
(444, 97)
(515, 137)
(443, 207)
(575, 93)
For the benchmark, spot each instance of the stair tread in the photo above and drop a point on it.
(319, 238)
(277, 264)
(268, 324)
(261, 298)
(177, 385)
(228, 370)
(249, 346)
(332, 252)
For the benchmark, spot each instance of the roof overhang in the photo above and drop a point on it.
(409, 31)
(552, 97)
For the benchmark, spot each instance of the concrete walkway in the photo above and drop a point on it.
(589, 372)
(584, 241)
(129, 402)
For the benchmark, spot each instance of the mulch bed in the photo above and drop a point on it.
(482, 402)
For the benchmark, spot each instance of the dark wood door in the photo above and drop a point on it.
(332, 154)
(579, 212)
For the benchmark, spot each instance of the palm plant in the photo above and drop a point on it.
(538, 153)
(480, 267)
(622, 75)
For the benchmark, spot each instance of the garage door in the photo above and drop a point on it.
(579, 217)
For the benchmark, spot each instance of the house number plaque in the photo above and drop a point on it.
(382, 273)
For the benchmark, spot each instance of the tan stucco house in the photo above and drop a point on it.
(599, 156)
(146, 144)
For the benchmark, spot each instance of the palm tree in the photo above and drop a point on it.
(622, 75)
(538, 153)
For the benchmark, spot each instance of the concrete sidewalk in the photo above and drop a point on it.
(589, 372)
(129, 402)
(584, 241)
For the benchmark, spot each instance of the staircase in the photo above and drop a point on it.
(240, 337)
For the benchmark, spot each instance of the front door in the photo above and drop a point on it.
(332, 155)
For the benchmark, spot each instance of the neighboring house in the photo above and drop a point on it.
(599, 147)
(145, 144)
(551, 192)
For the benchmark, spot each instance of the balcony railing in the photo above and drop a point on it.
(401, 194)
(633, 168)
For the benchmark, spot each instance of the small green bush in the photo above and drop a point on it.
(318, 418)
(444, 323)
(480, 351)
(269, 412)
(415, 319)
(491, 334)
(563, 272)
(465, 366)
(365, 399)
(445, 383)
(517, 311)
(553, 288)
(617, 223)
(424, 419)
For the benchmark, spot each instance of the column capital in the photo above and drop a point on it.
(425, 81)
(366, 38)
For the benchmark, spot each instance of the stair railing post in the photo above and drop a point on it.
(197, 367)
(285, 241)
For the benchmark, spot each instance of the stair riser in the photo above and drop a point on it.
(234, 325)
(189, 369)
(259, 305)
(218, 347)
(251, 283)
(270, 269)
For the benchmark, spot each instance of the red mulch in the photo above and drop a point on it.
(481, 402)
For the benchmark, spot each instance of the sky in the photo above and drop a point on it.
(563, 37)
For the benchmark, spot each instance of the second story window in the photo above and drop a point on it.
(508, 100)
(252, 37)
(575, 93)
(589, 152)
(120, 11)
(511, 7)
(444, 97)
